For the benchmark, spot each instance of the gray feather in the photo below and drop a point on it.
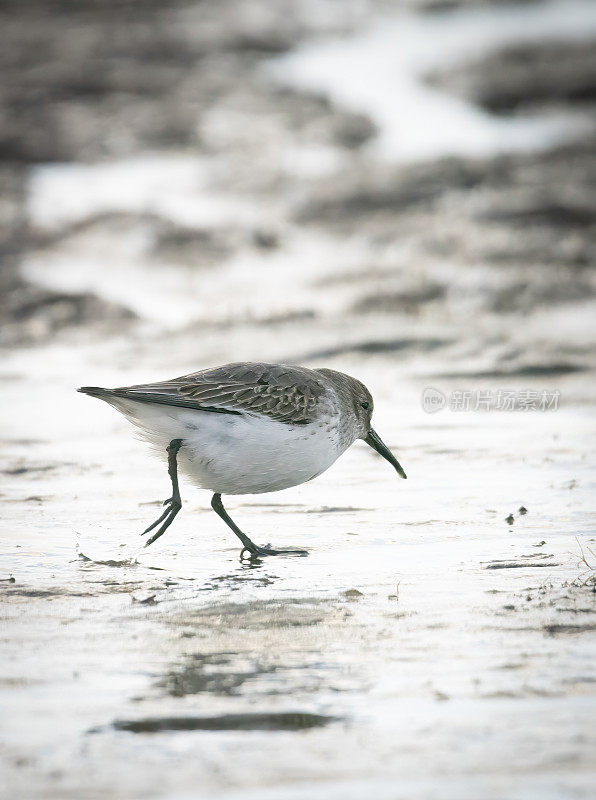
(284, 393)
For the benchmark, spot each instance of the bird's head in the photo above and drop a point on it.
(357, 401)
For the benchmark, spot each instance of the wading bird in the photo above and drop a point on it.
(248, 428)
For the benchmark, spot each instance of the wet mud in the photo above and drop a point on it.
(529, 75)
(227, 722)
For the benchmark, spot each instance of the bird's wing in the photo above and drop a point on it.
(283, 393)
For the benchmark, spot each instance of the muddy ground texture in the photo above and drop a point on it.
(186, 78)
(437, 641)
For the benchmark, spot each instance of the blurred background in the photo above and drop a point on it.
(222, 181)
(404, 191)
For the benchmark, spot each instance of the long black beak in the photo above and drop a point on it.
(375, 441)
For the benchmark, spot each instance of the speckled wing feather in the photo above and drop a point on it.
(284, 393)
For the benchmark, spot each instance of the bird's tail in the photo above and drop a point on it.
(95, 391)
(157, 424)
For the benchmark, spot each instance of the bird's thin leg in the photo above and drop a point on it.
(249, 545)
(173, 503)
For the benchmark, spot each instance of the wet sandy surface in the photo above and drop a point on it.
(430, 645)
(422, 627)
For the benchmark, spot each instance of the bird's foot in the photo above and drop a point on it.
(255, 551)
(173, 507)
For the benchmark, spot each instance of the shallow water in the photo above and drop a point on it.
(422, 640)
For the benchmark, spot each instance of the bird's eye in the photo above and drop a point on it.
(365, 404)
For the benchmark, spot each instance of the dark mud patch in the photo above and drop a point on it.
(376, 346)
(110, 562)
(526, 371)
(201, 246)
(554, 630)
(30, 314)
(334, 510)
(198, 247)
(357, 277)
(352, 594)
(521, 564)
(256, 616)
(578, 680)
(235, 581)
(119, 587)
(286, 317)
(386, 193)
(20, 442)
(527, 76)
(213, 673)
(552, 291)
(405, 302)
(46, 594)
(550, 212)
(25, 469)
(281, 721)
(34, 498)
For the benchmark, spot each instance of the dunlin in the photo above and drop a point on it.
(248, 428)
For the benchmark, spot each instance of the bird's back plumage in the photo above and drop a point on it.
(281, 392)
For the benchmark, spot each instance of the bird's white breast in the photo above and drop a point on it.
(239, 453)
(248, 455)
